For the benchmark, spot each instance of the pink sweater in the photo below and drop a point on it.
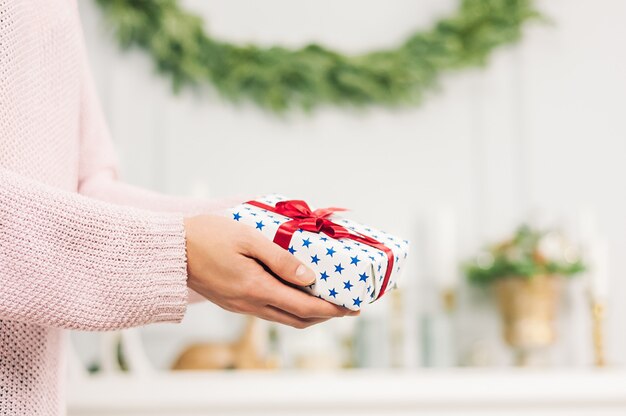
(74, 254)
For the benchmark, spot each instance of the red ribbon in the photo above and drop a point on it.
(303, 218)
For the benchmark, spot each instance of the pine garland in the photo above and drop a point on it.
(278, 78)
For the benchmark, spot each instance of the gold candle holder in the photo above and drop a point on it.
(597, 332)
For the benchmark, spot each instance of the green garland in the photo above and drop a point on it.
(278, 78)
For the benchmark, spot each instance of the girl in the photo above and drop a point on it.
(78, 249)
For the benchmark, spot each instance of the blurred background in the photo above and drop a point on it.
(536, 136)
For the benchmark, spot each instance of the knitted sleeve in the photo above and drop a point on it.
(72, 262)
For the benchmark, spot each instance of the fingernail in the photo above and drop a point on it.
(301, 271)
(354, 313)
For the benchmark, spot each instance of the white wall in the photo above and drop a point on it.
(540, 129)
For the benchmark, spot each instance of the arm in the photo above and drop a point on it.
(71, 262)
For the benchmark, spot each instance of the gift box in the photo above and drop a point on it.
(355, 264)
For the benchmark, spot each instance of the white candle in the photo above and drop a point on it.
(598, 265)
(442, 249)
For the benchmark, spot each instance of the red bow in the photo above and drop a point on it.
(317, 221)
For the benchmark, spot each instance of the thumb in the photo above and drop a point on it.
(281, 262)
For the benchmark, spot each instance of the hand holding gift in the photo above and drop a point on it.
(224, 265)
(353, 264)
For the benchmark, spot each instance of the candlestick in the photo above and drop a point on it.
(448, 299)
(596, 256)
(396, 334)
(597, 316)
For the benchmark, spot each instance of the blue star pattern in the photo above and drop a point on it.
(365, 268)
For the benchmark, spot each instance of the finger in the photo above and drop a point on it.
(270, 313)
(280, 261)
(299, 303)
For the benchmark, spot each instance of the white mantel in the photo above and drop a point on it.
(359, 392)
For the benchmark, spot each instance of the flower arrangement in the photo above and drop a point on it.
(529, 253)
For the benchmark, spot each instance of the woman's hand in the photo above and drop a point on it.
(225, 264)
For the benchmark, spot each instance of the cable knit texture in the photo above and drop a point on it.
(110, 258)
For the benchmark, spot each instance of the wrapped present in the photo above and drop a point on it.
(354, 264)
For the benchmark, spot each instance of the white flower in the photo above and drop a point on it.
(555, 248)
